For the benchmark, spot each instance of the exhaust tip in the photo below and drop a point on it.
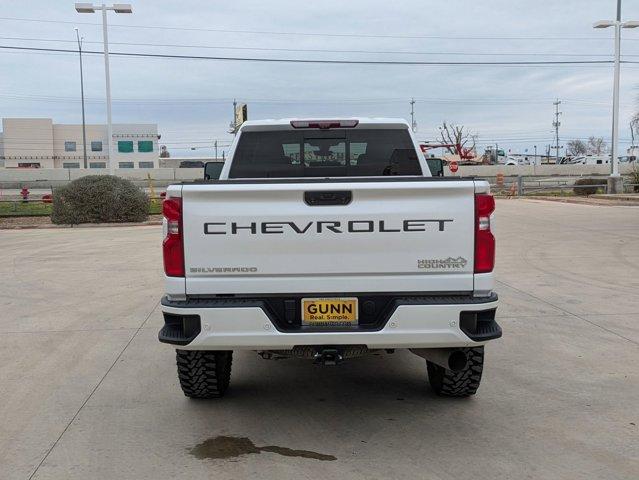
(457, 361)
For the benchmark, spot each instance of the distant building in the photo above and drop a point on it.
(40, 143)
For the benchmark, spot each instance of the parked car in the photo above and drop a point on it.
(327, 240)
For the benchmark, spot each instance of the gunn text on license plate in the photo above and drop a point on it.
(329, 311)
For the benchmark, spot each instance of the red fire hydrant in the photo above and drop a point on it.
(25, 194)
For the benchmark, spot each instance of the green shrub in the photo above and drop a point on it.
(99, 199)
(634, 177)
(596, 183)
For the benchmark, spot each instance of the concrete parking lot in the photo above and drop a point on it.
(87, 392)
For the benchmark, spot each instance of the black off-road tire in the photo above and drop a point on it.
(458, 384)
(204, 374)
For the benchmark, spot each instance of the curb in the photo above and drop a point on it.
(622, 197)
(594, 202)
(83, 225)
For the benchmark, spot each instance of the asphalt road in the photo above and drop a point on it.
(87, 392)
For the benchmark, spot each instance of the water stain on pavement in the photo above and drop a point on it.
(224, 447)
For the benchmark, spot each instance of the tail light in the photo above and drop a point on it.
(484, 238)
(173, 244)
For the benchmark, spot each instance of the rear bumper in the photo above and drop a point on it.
(410, 322)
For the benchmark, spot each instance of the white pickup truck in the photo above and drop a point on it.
(326, 240)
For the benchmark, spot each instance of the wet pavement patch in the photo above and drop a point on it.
(224, 447)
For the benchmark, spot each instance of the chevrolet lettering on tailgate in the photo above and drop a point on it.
(352, 226)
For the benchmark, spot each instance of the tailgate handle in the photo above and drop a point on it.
(337, 197)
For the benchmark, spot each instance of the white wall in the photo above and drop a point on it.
(11, 177)
(136, 133)
(28, 140)
(540, 170)
(121, 132)
(73, 133)
(43, 175)
(32, 140)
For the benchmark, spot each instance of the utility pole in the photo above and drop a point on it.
(234, 117)
(413, 124)
(84, 127)
(233, 124)
(556, 125)
(215, 149)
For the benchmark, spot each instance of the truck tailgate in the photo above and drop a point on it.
(404, 235)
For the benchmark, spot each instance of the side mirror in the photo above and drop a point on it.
(212, 170)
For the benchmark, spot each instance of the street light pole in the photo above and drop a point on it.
(84, 127)
(614, 163)
(615, 182)
(117, 8)
(107, 75)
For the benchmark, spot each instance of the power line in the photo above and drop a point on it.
(322, 61)
(172, 102)
(319, 34)
(322, 50)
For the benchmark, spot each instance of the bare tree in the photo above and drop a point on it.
(456, 135)
(577, 147)
(597, 146)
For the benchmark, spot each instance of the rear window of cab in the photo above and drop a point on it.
(325, 153)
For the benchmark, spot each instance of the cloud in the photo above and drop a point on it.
(191, 99)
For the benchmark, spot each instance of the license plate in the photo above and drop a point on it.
(329, 311)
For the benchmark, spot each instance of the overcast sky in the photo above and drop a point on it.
(190, 100)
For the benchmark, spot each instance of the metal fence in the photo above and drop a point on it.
(37, 207)
(532, 185)
(510, 186)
